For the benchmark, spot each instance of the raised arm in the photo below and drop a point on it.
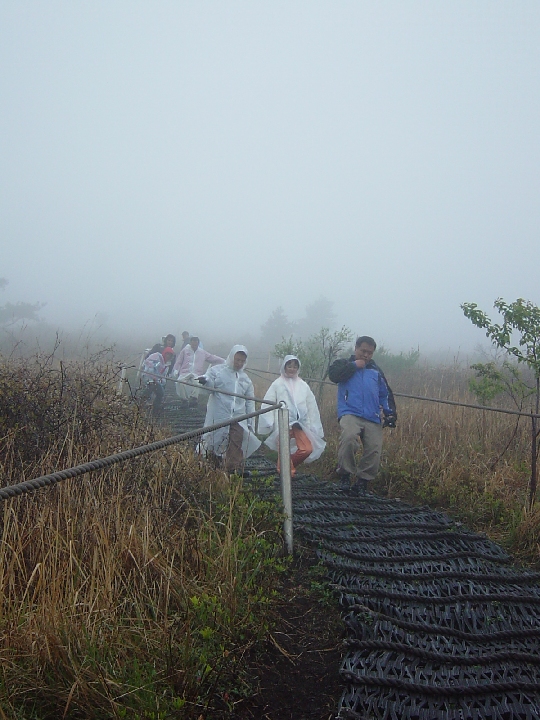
(210, 377)
(213, 359)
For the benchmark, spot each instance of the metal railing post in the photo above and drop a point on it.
(285, 472)
(122, 380)
(141, 363)
(534, 465)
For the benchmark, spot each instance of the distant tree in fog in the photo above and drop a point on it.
(319, 313)
(316, 353)
(275, 328)
(12, 312)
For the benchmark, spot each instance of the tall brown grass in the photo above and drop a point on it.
(461, 450)
(132, 592)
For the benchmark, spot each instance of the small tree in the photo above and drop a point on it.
(521, 323)
(494, 379)
(316, 353)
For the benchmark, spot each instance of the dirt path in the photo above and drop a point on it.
(297, 671)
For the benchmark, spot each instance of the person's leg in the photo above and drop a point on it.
(234, 457)
(304, 448)
(368, 465)
(159, 394)
(349, 442)
(293, 470)
(293, 465)
(181, 391)
(193, 393)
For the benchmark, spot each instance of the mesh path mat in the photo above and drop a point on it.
(183, 419)
(441, 625)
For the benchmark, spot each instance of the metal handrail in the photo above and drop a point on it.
(100, 463)
(209, 389)
(27, 486)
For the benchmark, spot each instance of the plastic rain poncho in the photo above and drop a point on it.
(154, 365)
(224, 407)
(302, 406)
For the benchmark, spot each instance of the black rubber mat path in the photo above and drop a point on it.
(179, 416)
(441, 625)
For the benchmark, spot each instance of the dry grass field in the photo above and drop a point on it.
(132, 592)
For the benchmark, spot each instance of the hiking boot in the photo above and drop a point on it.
(359, 487)
(344, 482)
(193, 402)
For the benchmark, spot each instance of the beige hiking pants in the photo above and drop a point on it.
(354, 430)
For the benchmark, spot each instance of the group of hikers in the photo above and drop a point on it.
(365, 404)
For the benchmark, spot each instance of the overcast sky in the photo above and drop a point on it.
(196, 164)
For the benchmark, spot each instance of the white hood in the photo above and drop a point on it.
(230, 357)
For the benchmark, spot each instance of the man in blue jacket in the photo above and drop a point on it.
(362, 392)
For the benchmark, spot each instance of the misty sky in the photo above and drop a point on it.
(196, 164)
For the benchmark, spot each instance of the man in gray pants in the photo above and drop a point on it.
(362, 392)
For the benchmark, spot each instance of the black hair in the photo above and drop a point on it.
(171, 336)
(366, 339)
(194, 338)
(185, 333)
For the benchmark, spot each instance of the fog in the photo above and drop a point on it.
(194, 165)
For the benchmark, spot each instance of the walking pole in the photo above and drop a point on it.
(285, 465)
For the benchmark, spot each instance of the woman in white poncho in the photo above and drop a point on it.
(235, 442)
(306, 429)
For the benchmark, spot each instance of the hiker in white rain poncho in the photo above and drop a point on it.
(306, 430)
(189, 365)
(235, 442)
